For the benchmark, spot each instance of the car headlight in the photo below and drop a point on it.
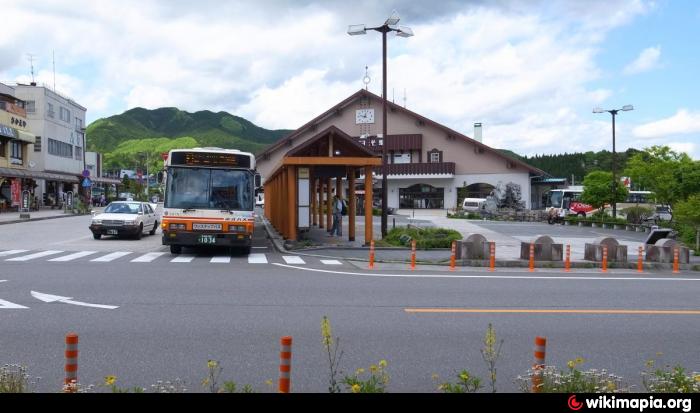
(177, 226)
(129, 222)
(97, 222)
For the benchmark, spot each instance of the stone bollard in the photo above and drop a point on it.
(662, 251)
(545, 249)
(616, 252)
(473, 247)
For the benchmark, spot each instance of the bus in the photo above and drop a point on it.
(209, 199)
(567, 201)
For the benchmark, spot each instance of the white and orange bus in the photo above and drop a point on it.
(209, 198)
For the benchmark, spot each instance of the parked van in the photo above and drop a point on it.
(473, 204)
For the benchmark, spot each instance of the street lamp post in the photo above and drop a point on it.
(614, 112)
(390, 25)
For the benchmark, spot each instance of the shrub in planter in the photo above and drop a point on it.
(637, 214)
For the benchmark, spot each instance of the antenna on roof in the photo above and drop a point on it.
(31, 64)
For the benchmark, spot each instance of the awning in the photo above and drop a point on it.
(26, 137)
(24, 173)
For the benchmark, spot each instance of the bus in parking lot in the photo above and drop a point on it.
(209, 198)
(567, 201)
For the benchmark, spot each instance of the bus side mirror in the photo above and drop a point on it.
(258, 180)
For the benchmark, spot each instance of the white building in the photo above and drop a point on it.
(59, 125)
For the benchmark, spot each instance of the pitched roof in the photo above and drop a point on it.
(394, 107)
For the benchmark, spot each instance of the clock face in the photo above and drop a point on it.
(364, 116)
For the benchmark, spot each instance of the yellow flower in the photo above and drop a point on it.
(697, 378)
(611, 386)
(268, 382)
(110, 380)
(464, 376)
(650, 363)
(355, 388)
(373, 368)
(212, 364)
(579, 360)
(382, 363)
(359, 371)
(326, 332)
(571, 364)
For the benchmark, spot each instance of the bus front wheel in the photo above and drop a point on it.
(175, 249)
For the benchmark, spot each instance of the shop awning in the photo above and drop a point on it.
(24, 173)
(26, 137)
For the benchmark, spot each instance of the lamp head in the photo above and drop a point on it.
(627, 108)
(356, 29)
(403, 31)
(393, 19)
(598, 110)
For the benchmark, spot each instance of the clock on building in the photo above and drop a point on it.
(364, 116)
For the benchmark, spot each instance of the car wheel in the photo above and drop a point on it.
(175, 249)
(140, 233)
(97, 236)
(155, 227)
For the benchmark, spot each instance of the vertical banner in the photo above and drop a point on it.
(303, 198)
(16, 189)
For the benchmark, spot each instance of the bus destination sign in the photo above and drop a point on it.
(210, 159)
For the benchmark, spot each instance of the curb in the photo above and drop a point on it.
(19, 221)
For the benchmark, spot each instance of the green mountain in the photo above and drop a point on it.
(219, 129)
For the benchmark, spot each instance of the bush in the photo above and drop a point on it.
(573, 380)
(637, 214)
(425, 237)
(669, 379)
(464, 215)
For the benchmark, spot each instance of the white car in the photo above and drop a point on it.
(125, 218)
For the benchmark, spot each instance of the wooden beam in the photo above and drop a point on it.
(291, 204)
(321, 187)
(338, 160)
(351, 204)
(368, 205)
(314, 200)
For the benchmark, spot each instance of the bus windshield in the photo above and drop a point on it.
(554, 199)
(208, 188)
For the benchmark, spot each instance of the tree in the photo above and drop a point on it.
(687, 212)
(668, 174)
(597, 190)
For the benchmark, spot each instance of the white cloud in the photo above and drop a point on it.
(683, 122)
(647, 60)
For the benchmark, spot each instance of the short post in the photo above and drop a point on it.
(285, 381)
(413, 255)
(605, 258)
(538, 367)
(567, 263)
(676, 253)
(640, 265)
(371, 254)
(453, 255)
(71, 381)
(492, 256)
(532, 257)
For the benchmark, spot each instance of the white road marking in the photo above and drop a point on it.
(503, 277)
(35, 255)
(221, 260)
(11, 252)
(293, 259)
(148, 257)
(183, 258)
(74, 256)
(257, 259)
(10, 306)
(48, 298)
(331, 262)
(111, 257)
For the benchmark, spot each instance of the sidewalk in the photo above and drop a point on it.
(46, 213)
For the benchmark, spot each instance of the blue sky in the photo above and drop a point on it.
(530, 71)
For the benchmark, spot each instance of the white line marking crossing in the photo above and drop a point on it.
(221, 260)
(148, 257)
(35, 255)
(183, 258)
(293, 259)
(74, 256)
(10, 306)
(11, 252)
(331, 262)
(257, 259)
(111, 257)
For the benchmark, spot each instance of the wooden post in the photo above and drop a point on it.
(368, 205)
(329, 206)
(351, 204)
(292, 202)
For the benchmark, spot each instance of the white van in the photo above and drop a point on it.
(473, 204)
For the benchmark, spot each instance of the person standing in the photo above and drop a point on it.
(337, 216)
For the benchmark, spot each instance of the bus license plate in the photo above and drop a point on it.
(207, 239)
(207, 227)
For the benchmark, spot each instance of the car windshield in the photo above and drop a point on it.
(122, 208)
(207, 188)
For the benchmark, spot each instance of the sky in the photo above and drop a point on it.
(530, 71)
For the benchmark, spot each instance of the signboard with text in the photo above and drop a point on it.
(15, 190)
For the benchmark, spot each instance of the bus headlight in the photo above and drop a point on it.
(236, 228)
(177, 226)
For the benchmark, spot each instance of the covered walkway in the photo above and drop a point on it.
(299, 193)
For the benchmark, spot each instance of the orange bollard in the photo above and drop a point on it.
(452, 257)
(540, 348)
(605, 258)
(676, 253)
(532, 257)
(492, 258)
(567, 263)
(371, 254)
(413, 255)
(640, 266)
(71, 369)
(285, 382)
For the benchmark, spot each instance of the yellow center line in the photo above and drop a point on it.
(548, 311)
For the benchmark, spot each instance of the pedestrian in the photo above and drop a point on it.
(103, 201)
(337, 216)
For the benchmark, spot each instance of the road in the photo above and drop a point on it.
(173, 316)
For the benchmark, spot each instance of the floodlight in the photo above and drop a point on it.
(393, 19)
(356, 29)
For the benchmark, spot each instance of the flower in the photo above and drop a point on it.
(382, 363)
(212, 364)
(579, 360)
(359, 371)
(110, 380)
(611, 386)
(373, 368)
(326, 332)
(697, 378)
(571, 364)
(464, 376)
(355, 388)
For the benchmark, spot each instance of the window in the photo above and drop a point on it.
(65, 114)
(37, 144)
(434, 156)
(31, 106)
(16, 152)
(49, 110)
(78, 124)
(59, 148)
(78, 153)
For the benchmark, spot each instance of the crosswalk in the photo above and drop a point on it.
(258, 258)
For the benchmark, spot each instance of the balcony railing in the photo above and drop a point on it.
(441, 168)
